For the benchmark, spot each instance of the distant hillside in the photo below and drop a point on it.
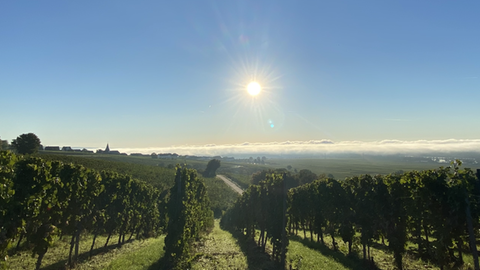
(160, 177)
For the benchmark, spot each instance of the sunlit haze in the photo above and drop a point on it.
(239, 77)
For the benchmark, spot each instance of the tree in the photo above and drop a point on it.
(259, 176)
(212, 167)
(306, 176)
(3, 145)
(26, 143)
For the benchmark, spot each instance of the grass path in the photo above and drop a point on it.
(220, 250)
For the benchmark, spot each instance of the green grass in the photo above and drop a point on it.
(302, 254)
(382, 257)
(219, 250)
(222, 250)
(305, 254)
(299, 256)
(145, 256)
(57, 255)
(304, 257)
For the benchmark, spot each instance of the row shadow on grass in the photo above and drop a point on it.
(83, 257)
(159, 265)
(351, 261)
(257, 259)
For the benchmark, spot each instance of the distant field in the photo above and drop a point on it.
(240, 172)
(221, 196)
(347, 167)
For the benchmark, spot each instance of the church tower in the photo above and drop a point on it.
(107, 150)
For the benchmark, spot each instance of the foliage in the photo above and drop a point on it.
(4, 145)
(427, 207)
(262, 207)
(40, 199)
(291, 180)
(26, 143)
(221, 196)
(189, 215)
(212, 167)
(306, 176)
(159, 177)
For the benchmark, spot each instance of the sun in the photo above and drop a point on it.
(254, 88)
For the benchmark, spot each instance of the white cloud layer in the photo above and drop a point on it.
(314, 147)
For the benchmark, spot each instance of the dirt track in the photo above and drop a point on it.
(231, 184)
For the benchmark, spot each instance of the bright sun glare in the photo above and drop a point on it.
(254, 88)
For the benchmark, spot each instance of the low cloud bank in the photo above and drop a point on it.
(317, 147)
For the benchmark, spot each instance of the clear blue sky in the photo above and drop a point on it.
(162, 73)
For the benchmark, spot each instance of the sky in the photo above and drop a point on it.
(172, 75)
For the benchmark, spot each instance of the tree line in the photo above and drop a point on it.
(436, 210)
(41, 200)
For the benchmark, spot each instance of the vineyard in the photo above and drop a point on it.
(160, 177)
(430, 216)
(42, 201)
(435, 211)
